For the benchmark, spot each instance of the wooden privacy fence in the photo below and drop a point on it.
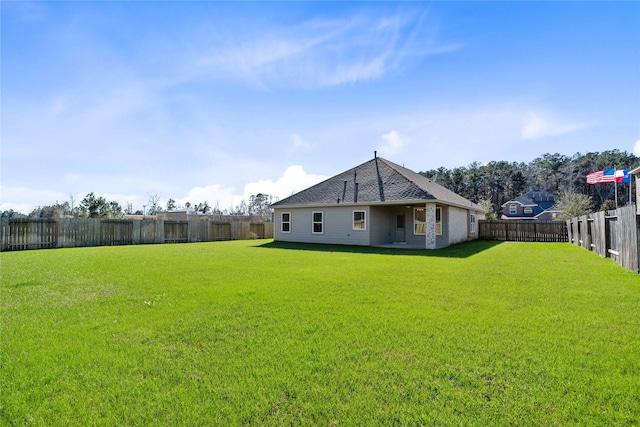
(523, 231)
(613, 234)
(40, 233)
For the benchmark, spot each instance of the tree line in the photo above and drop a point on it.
(491, 184)
(497, 182)
(95, 206)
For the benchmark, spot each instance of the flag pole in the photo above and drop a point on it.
(615, 186)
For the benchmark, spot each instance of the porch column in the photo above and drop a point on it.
(430, 223)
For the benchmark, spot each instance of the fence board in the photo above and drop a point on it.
(219, 231)
(628, 229)
(38, 233)
(28, 233)
(256, 231)
(614, 234)
(524, 231)
(176, 231)
(116, 232)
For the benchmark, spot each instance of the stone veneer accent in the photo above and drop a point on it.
(430, 237)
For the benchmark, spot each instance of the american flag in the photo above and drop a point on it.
(603, 176)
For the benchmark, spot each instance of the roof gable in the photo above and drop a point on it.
(373, 182)
(539, 201)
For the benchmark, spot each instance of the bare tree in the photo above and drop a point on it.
(572, 205)
(154, 199)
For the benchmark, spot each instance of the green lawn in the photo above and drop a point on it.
(261, 333)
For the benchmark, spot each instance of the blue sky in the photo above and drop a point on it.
(215, 101)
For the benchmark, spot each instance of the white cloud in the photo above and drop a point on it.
(323, 53)
(224, 197)
(636, 148)
(538, 126)
(297, 143)
(293, 179)
(25, 199)
(393, 143)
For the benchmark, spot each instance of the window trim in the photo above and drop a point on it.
(314, 222)
(283, 222)
(513, 209)
(472, 223)
(437, 225)
(416, 222)
(528, 211)
(364, 220)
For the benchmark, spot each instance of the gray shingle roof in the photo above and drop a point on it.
(539, 201)
(374, 182)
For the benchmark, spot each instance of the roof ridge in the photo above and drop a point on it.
(396, 166)
(406, 172)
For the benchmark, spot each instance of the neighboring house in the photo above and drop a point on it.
(536, 205)
(377, 203)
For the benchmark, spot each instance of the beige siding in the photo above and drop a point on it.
(458, 225)
(382, 225)
(337, 226)
(442, 240)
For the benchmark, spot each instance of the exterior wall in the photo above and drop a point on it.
(383, 226)
(442, 240)
(337, 226)
(458, 225)
(380, 226)
(412, 238)
(382, 230)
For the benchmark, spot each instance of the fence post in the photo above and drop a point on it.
(159, 238)
(4, 232)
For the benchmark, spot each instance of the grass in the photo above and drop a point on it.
(263, 333)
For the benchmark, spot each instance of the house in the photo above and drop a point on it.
(536, 205)
(377, 203)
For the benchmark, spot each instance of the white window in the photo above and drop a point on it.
(513, 209)
(472, 224)
(359, 222)
(316, 225)
(438, 221)
(285, 223)
(419, 221)
(528, 211)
